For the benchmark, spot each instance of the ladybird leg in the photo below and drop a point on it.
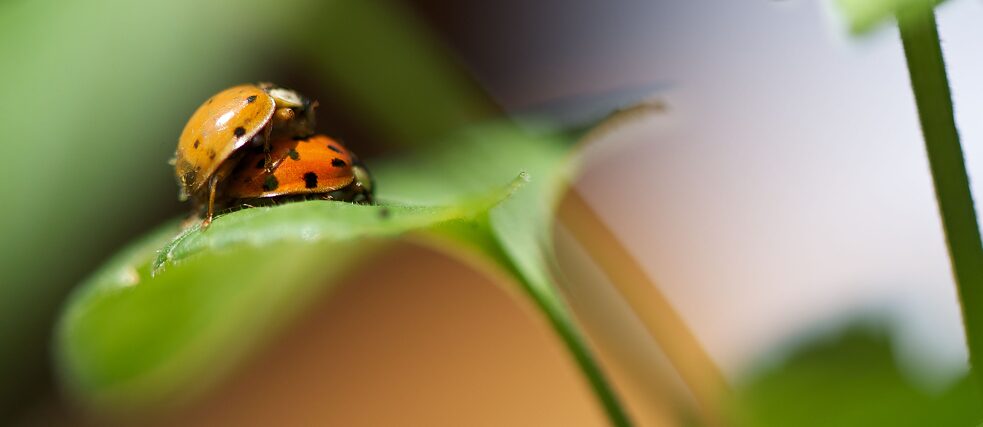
(210, 213)
(267, 147)
(365, 193)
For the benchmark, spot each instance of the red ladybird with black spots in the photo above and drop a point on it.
(315, 167)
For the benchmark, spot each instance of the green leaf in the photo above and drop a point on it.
(317, 221)
(518, 233)
(865, 15)
(130, 338)
(851, 378)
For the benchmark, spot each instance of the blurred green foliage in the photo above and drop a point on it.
(865, 15)
(852, 378)
(379, 57)
(90, 119)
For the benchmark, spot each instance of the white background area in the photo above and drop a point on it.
(788, 188)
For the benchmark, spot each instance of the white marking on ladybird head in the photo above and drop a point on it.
(362, 176)
(286, 97)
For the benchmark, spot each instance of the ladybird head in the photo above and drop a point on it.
(362, 176)
(287, 97)
(292, 109)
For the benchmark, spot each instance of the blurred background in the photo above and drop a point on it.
(783, 197)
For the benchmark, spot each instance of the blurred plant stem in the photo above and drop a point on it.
(661, 321)
(923, 51)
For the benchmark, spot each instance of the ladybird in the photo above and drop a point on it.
(211, 142)
(315, 167)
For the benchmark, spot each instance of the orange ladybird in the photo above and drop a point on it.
(211, 142)
(317, 167)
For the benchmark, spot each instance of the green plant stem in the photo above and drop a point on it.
(562, 323)
(922, 48)
(560, 320)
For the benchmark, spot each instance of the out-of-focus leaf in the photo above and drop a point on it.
(853, 379)
(865, 15)
(218, 293)
(95, 94)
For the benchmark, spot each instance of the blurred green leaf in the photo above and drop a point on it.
(128, 339)
(97, 92)
(865, 15)
(852, 379)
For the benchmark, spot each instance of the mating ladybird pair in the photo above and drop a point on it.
(253, 144)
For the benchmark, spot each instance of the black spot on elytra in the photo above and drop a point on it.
(338, 163)
(239, 131)
(310, 180)
(251, 99)
(333, 148)
(211, 154)
(293, 154)
(261, 163)
(270, 183)
(197, 142)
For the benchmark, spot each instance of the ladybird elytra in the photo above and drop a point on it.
(221, 125)
(317, 165)
(301, 162)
